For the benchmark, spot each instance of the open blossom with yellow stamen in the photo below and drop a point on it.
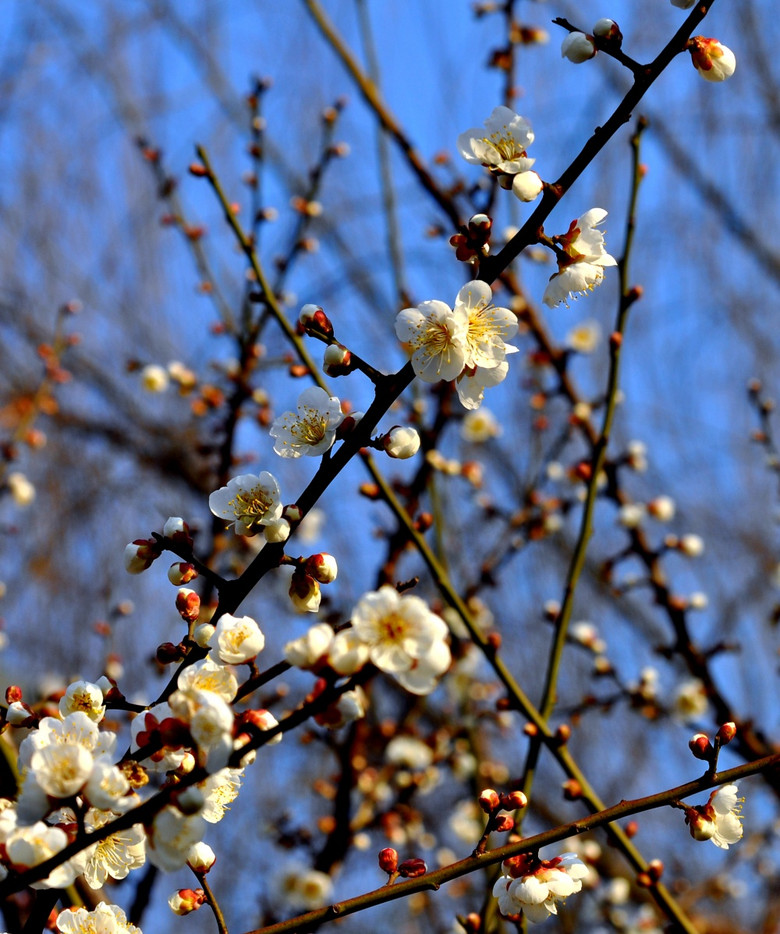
(581, 259)
(249, 502)
(719, 820)
(312, 429)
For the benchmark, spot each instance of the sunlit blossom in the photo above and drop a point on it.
(436, 334)
(312, 429)
(582, 259)
(501, 146)
(534, 886)
(237, 639)
(105, 919)
(248, 502)
(719, 820)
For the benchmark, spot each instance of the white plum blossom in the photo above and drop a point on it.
(713, 60)
(404, 637)
(302, 888)
(237, 639)
(489, 326)
(501, 146)
(105, 919)
(144, 729)
(21, 489)
(28, 846)
(76, 729)
(61, 770)
(210, 720)
(584, 337)
(108, 788)
(114, 856)
(85, 696)
(719, 820)
(219, 792)
(310, 649)
(535, 886)
(200, 857)
(690, 700)
(480, 425)
(249, 502)
(582, 259)
(171, 836)
(154, 378)
(207, 675)
(312, 429)
(436, 334)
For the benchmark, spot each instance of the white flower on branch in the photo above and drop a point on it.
(534, 886)
(713, 60)
(436, 334)
(719, 820)
(105, 919)
(312, 429)
(237, 639)
(582, 260)
(404, 638)
(578, 47)
(501, 146)
(249, 502)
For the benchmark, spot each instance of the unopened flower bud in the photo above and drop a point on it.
(337, 360)
(701, 747)
(200, 857)
(314, 321)
(186, 900)
(189, 800)
(304, 592)
(140, 554)
(401, 443)
(655, 869)
(527, 185)
(188, 604)
(177, 529)
(489, 800)
(713, 61)
(292, 513)
(607, 29)
(563, 733)
(388, 860)
(19, 714)
(277, 530)
(727, 732)
(167, 653)
(578, 47)
(154, 378)
(691, 545)
(572, 790)
(514, 801)
(504, 823)
(412, 868)
(203, 633)
(661, 508)
(322, 567)
(181, 572)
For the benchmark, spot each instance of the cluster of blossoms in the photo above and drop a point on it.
(397, 633)
(465, 343)
(105, 919)
(533, 887)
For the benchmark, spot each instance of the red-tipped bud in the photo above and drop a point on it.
(726, 733)
(13, 694)
(514, 801)
(504, 823)
(563, 734)
(140, 554)
(412, 868)
(181, 572)
(572, 790)
(388, 860)
(322, 567)
(177, 530)
(337, 360)
(188, 604)
(167, 653)
(489, 800)
(186, 900)
(655, 869)
(315, 322)
(701, 747)
(304, 592)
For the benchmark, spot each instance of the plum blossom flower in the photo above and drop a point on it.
(401, 442)
(220, 790)
(238, 639)
(303, 888)
(437, 336)
(85, 696)
(171, 836)
(28, 846)
(719, 820)
(582, 259)
(534, 886)
(312, 429)
(114, 856)
(105, 919)
(480, 426)
(248, 502)
(404, 638)
(713, 61)
(210, 721)
(311, 649)
(501, 146)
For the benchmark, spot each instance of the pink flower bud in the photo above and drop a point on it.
(412, 868)
(578, 47)
(188, 604)
(504, 823)
(514, 801)
(713, 61)
(322, 567)
(388, 860)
